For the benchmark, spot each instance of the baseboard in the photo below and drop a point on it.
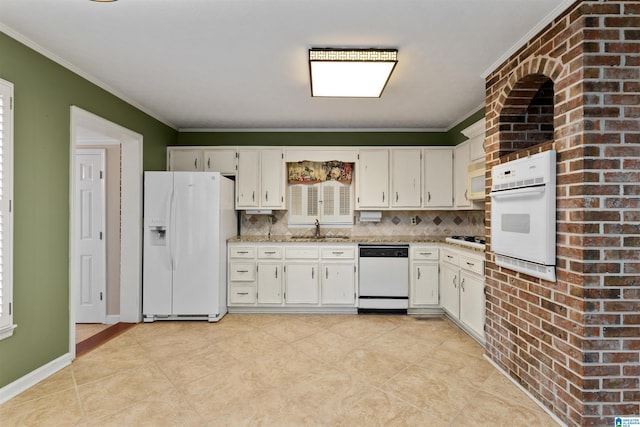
(112, 319)
(524, 390)
(34, 377)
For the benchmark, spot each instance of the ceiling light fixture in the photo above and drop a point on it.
(350, 72)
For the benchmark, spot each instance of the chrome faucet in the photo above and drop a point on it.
(317, 229)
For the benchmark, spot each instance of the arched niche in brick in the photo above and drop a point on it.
(526, 117)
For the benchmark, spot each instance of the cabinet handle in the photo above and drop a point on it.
(418, 273)
(209, 163)
(454, 281)
(470, 264)
(428, 196)
(337, 252)
(313, 272)
(449, 256)
(253, 196)
(326, 272)
(396, 197)
(425, 253)
(276, 272)
(462, 284)
(269, 252)
(243, 252)
(243, 271)
(243, 293)
(383, 197)
(266, 196)
(465, 195)
(195, 163)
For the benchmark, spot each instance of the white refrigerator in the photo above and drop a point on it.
(188, 217)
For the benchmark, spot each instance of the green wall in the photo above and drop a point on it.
(335, 139)
(43, 94)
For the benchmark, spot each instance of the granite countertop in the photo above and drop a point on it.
(348, 239)
(338, 239)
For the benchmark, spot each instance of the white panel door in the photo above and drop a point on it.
(195, 243)
(91, 246)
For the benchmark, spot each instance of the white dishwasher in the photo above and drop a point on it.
(383, 278)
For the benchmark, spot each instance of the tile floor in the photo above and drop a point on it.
(280, 370)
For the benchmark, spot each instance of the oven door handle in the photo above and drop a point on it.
(505, 194)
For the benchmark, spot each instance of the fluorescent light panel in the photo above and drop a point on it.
(350, 72)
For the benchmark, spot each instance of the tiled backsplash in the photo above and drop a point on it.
(398, 223)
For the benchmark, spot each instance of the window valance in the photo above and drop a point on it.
(307, 172)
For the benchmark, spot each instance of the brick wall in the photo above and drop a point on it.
(575, 344)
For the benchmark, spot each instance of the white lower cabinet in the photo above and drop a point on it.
(338, 283)
(423, 289)
(462, 289)
(269, 283)
(302, 282)
(285, 276)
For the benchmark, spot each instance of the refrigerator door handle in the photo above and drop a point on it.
(172, 230)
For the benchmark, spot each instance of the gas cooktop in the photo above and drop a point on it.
(471, 241)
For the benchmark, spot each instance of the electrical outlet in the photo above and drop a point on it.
(413, 220)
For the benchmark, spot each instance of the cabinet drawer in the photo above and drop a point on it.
(242, 272)
(451, 257)
(302, 253)
(242, 252)
(270, 252)
(473, 264)
(242, 294)
(425, 253)
(339, 253)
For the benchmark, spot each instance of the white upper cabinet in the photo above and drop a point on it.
(405, 177)
(221, 160)
(372, 178)
(272, 178)
(476, 134)
(247, 182)
(184, 159)
(460, 173)
(260, 180)
(438, 177)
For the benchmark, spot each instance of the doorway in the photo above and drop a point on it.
(87, 129)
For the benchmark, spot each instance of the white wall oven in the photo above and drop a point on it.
(523, 215)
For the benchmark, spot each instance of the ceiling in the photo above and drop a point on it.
(243, 64)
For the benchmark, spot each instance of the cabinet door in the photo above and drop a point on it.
(269, 283)
(472, 305)
(272, 179)
(424, 285)
(301, 283)
(438, 178)
(220, 160)
(247, 192)
(338, 283)
(185, 160)
(405, 178)
(372, 181)
(476, 148)
(460, 173)
(449, 289)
